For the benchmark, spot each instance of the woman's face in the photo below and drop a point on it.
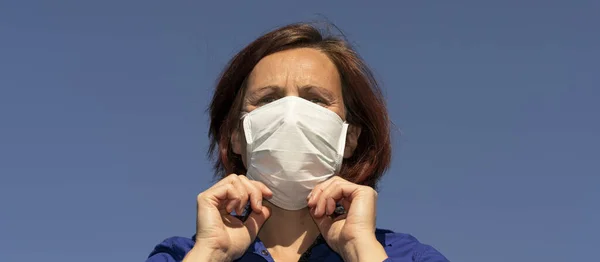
(303, 72)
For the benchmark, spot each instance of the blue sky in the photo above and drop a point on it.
(103, 131)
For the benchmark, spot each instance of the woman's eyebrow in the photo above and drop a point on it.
(321, 90)
(265, 90)
(275, 89)
(269, 87)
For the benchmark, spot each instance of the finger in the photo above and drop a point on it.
(267, 193)
(321, 204)
(314, 194)
(243, 193)
(232, 205)
(224, 196)
(320, 201)
(254, 192)
(334, 193)
(219, 196)
(256, 220)
(226, 180)
(231, 177)
(339, 190)
(329, 206)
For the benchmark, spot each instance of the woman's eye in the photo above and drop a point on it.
(318, 101)
(266, 100)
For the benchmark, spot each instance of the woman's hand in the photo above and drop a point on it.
(219, 235)
(352, 235)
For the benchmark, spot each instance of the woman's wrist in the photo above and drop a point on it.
(363, 249)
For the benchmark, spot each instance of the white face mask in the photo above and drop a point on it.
(293, 145)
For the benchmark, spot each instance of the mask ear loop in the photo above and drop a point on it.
(339, 209)
(341, 146)
(247, 133)
(247, 209)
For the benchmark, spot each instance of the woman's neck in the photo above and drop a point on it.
(287, 234)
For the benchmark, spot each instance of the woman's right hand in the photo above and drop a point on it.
(219, 235)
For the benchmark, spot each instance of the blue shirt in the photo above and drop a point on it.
(399, 248)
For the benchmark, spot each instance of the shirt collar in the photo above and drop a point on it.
(258, 247)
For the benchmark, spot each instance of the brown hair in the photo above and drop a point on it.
(363, 99)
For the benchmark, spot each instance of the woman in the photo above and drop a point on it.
(300, 134)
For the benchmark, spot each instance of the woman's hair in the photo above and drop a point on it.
(362, 97)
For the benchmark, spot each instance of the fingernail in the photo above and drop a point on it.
(309, 195)
(259, 204)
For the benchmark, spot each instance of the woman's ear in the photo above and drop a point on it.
(236, 143)
(351, 140)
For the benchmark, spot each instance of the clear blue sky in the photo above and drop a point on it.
(103, 130)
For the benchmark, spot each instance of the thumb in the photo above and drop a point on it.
(256, 220)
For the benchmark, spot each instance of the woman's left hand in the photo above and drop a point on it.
(352, 235)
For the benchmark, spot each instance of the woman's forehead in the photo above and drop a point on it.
(295, 68)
